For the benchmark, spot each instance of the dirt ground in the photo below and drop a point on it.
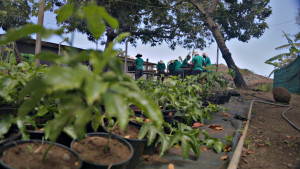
(271, 142)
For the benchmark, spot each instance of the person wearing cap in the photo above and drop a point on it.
(197, 63)
(161, 69)
(171, 68)
(206, 61)
(138, 63)
(177, 69)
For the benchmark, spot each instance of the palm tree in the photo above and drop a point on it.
(284, 59)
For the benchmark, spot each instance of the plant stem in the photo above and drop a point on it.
(106, 149)
(46, 152)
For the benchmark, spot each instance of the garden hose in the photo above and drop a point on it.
(238, 151)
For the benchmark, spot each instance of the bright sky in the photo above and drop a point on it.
(251, 55)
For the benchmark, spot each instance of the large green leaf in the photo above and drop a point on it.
(65, 12)
(115, 106)
(5, 123)
(185, 146)
(54, 127)
(13, 35)
(95, 22)
(94, 89)
(218, 146)
(65, 78)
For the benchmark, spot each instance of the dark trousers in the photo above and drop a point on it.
(160, 73)
(196, 72)
(176, 73)
(138, 73)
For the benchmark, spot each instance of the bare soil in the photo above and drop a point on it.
(91, 149)
(131, 132)
(29, 155)
(271, 142)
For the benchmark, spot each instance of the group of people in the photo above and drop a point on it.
(175, 67)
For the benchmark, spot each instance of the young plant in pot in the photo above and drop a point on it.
(79, 92)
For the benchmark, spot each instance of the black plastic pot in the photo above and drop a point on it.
(63, 138)
(221, 99)
(228, 97)
(13, 143)
(121, 165)
(138, 147)
(12, 135)
(8, 109)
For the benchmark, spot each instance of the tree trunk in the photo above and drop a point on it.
(17, 53)
(238, 79)
(213, 27)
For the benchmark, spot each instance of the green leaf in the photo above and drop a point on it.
(65, 12)
(209, 143)
(13, 35)
(109, 19)
(143, 131)
(95, 22)
(65, 78)
(42, 110)
(218, 146)
(5, 123)
(115, 106)
(185, 146)
(54, 127)
(96, 120)
(94, 89)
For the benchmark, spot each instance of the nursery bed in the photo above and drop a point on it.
(208, 158)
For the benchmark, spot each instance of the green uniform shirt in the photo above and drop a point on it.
(198, 62)
(177, 66)
(184, 63)
(171, 67)
(139, 63)
(207, 61)
(161, 66)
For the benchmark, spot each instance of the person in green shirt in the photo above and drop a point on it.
(185, 62)
(138, 63)
(206, 61)
(171, 68)
(161, 69)
(197, 63)
(177, 69)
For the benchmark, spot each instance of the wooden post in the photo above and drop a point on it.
(147, 68)
(125, 59)
(38, 43)
(217, 65)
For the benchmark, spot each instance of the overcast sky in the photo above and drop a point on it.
(251, 55)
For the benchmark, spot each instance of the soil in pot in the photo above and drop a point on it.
(28, 154)
(92, 149)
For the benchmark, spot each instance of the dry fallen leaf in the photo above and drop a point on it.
(171, 166)
(170, 114)
(224, 114)
(250, 152)
(224, 157)
(203, 148)
(196, 125)
(147, 120)
(127, 136)
(146, 157)
(260, 145)
(216, 127)
(288, 136)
